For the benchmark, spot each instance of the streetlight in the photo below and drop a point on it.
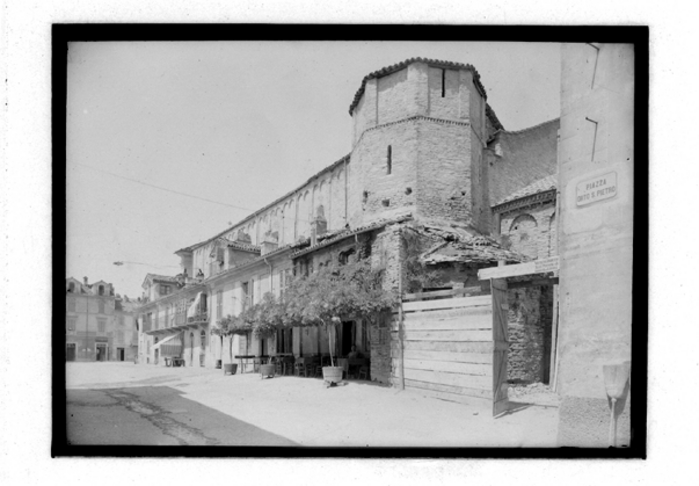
(121, 263)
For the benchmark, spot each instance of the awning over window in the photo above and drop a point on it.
(170, 346)
(192, 311)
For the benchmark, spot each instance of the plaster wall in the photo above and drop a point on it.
(596, 239)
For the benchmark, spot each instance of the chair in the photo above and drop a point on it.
(364, 372)
(278, 365)
(318, 365)
(344, 363)
(299, 367)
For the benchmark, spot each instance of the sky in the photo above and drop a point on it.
(169, 143)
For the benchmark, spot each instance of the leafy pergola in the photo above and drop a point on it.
(228, 327)
(332, 293)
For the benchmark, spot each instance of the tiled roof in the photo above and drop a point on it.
(252, 261)
(478, 249)
(401, 65)
(490, 113)
(347, 233)
(243, 246)
(548, 183)
(163, 278)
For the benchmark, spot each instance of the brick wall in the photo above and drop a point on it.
(437, 166)
(530, 319)
(531, 231)
(526, 156)
(373, 192)
(444, 170)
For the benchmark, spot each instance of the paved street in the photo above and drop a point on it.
(155, 415)
(126, 403)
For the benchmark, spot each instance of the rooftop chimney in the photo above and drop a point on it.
(270, 242)
(319, 226)
(85, 280)
(243, 237)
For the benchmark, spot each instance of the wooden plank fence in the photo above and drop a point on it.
(447, 347)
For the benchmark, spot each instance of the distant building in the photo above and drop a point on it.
(100, 326)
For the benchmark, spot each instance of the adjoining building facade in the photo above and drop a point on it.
(426, 190)
(596, 167)
(100, 326)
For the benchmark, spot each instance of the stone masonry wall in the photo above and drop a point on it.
(380, 344)
(530, 318)
(387, 252)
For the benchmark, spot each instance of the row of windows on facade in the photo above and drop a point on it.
(100, 289)
(100, 306)
(178, 316)
(71, 325)
(202, 340)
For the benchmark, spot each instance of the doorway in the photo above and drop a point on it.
(346, 338)
(70, 352)
(191, 349)
(120, 354)
(101, 352)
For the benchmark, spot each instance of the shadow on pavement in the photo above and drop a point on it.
(155, 415)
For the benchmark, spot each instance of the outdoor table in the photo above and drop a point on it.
(244, 359)
(178, 362)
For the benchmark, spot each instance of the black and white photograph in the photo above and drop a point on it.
(320, 244)
(347, 242)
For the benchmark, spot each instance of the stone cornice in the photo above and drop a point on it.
(526, 201)
(466, 122)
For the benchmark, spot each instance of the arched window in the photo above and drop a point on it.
(101, 289)
(345, 256)
(202, 339)
(522, 234)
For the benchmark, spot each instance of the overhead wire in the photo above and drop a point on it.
(171, 190)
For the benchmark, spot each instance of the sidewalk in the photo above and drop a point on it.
(355, 415)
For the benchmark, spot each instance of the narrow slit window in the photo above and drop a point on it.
(444, 76)
(389, 160)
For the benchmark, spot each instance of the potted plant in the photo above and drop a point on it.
(229, 326)
(268, 317)
(335, 291)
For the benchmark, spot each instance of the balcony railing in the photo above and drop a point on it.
(201, 316)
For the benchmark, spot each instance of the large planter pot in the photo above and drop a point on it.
(267, 370)
(332, 374)
(230, 368)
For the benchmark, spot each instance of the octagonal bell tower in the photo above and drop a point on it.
(419, 128)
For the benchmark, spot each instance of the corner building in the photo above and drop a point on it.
(426, 169)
